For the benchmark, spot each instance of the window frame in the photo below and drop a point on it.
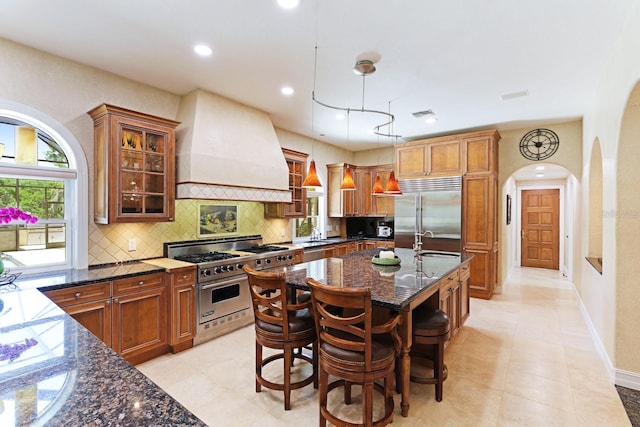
(75, 179)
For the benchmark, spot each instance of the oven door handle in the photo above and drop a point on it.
(219, 284)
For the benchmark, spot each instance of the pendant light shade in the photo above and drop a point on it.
(347, 182)
(377, 187)
(312, 180)
(392, 185)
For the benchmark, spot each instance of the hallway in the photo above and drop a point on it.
(523, 358)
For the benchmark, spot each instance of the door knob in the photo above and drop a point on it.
(523, 233)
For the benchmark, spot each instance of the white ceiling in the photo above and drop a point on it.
(455, 57)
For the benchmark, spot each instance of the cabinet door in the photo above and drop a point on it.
(364, 184)
(444, 158)
(340, 203)
(183, 309)
(134, 166)
(478, 211)
(95, 316)
(482, 278)
(297, 164)
(464, 273)
(383, 205)
(139, 329)
(481, 154)
(450, 300)
(341, 249)
(411, 161)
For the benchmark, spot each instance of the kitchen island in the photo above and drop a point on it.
(400, 288)
(54, 372)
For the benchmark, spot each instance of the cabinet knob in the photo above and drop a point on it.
(115, 300)
(107, 302)
(186, 276)
(141, 282)
(78, 295)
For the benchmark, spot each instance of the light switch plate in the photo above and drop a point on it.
(133, 244)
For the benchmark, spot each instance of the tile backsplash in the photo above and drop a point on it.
(110, 243)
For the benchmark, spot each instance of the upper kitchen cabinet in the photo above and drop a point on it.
(429, 158)
(297, 164)
(340, 203)
(481, 152)
(134, 166)
(383, 205)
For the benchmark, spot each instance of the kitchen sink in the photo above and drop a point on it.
(438, 254)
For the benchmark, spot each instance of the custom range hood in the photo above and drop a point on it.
(227, 151)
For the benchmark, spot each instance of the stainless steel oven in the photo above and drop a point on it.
(222, 307)
(223, 303)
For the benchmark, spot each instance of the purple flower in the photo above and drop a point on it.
(11, 213)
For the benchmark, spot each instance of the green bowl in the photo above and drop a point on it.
(385, 261)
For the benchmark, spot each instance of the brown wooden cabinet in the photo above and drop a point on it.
(134, 157)
(454, 297)
(479, 231)
(140, 317)
(130, 315)
(297, 164)
(182, 308)
(429, 158)
(481, 152)
(298, 256)
(89, 305)
(383, 205)
(340, 203)
(363, 199)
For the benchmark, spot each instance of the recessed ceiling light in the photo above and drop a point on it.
(202, 50)
(286, 90)
(539, 175)
(539, 168)
(288, 4)
(431, 119)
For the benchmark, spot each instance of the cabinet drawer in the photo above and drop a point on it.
(449, 282)
(79, 294)
(138, 283)
(184, 277)
(465, 272)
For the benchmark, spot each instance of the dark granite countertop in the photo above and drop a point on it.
(68, 278)
(54, 372)
(392, 287)
(310, 244)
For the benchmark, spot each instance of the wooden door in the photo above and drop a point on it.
(540, 233)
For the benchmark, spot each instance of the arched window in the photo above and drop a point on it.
(43, 174)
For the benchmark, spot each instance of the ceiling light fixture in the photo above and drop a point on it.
(288, 4)
(202, 50)
(347, 182)
(539, 175)
(363, 68)
(393, 187)
(377, 189)
(286, 90)
(312, 180)
(539, 168)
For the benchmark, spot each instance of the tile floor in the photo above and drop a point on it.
(524, 358)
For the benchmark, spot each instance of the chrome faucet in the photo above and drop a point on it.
(417, 243)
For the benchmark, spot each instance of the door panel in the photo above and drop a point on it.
(540, 234)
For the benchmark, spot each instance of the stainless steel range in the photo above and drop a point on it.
(223, 303)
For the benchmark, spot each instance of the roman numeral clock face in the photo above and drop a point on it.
(539, 144)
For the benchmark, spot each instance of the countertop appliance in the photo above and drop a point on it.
(431, 207)
(223, 303)
(384, 231)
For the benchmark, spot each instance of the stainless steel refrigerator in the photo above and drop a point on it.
(433, 204)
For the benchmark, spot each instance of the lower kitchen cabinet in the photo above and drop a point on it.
(131, 315)
(183, 308)
(454, 297)
(89, 305)
(372, 244)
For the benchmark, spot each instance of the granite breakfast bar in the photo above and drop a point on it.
(400, 288)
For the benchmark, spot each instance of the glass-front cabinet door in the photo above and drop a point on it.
(135, 166)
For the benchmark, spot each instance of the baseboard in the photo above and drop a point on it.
(595, 337)
(627, 379)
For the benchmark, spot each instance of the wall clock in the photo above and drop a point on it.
(539, 144)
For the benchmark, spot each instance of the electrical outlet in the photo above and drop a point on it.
(283, 232)
(133, 245)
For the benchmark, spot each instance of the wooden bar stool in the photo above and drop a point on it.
(283, 325)
(431, 328)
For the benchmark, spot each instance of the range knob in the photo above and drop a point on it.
(205, 272)
(239, 266)
(268, 261)
(230, 268)
(218, 270)
(289, 257)
(258, 262)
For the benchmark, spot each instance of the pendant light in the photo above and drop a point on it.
(312, 180)
(347, 182)
(377, 189)
(393, 187)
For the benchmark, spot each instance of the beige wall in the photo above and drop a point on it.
(612, 299)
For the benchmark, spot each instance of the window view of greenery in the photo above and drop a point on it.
(43, 242)
(305, 226)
